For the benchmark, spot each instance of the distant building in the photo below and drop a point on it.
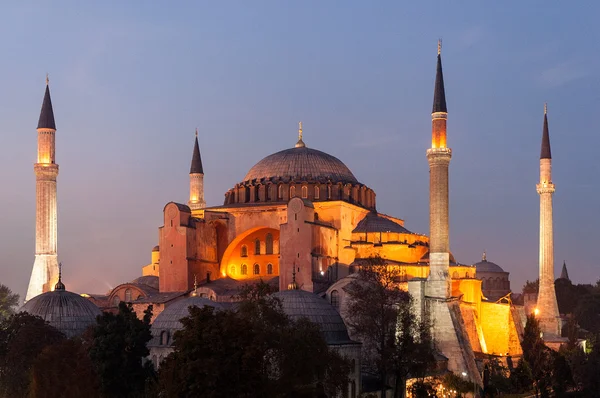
(494, 280)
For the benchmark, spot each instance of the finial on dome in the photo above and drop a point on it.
(545, 108)
(293, 285)
(196, 131)
(439, 46)
(195, 292)
(300, 143)
(47, 79)
(484, 257)
(59, 285)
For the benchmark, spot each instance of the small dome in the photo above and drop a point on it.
(66, 311)
(373, 222)
(300, 303)
(148, 280)
(301, 162)
(168, 320)
(488, 266)
(156, 249)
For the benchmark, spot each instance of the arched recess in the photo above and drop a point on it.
(231, 256)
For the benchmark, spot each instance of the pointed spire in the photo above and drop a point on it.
(300, 143)
(546, 153)
(484, 257)
(439, 94)
(293, 285)
(196, 160)
(47, 114)
(195, 292)
(59, 285)
(564, 273)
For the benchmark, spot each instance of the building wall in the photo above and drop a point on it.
(242, 252)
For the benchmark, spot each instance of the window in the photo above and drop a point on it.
(317, 192)
(467, 275)
(244, 269)
(280, 192)
(455, 275)
(335, 299)
(305, 192)
(269, 244)
(164, 337)
(128, 295)
(155, 362)
(244, 251)
(269, 269)
(256, 269)
(257, 247)
(292, 191)
(116, 301)
(232, 270)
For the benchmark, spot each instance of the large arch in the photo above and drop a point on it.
(232, 259)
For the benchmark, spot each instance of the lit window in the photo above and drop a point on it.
(280, 192)
(257, 247)
(116, 301)
(232, 270)
(269, 244)
(305, 192)
(244, 269)
(455, 275)
(244, 251)
(128, 295)
(269, 269)
(164, 338)
(317, 192)
(292, 191)
(335, 299)
(256, 269)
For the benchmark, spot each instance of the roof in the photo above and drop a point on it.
(148, 280)
(66, 311)
(47, 114)
(488, 266)
(160, 298)
(373, 222)
(545, 153)
(564, 274)
(301, 162)
(439, 94)
(299, 303)
(170, 318)
(196, 166)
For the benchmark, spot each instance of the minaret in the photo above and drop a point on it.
(45, 272)
(439, 283)
(564, 274)
(196, 179)
(546, 304)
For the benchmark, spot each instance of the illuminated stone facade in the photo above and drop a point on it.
(45, 267)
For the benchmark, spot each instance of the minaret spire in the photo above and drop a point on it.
(547, 306)
(45, 271)
(300, 143)
(438, 156)
(196, 201)
(564, 274)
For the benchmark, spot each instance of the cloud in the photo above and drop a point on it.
(562, 73)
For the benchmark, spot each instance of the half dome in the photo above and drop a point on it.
(301, 163)
(68, 312)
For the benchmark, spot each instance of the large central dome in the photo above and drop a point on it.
(299, 163)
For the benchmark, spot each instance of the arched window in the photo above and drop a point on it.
(305, 192)
(269, 244)
(128, 295)
(244, 251)
(164, 337)
(317, 192)
(232, 270)
(257, 247)
(455, 275)
(244, 269)
(116, 300)
(155, 362)
(467, 275)
(269, 269)
(256, 269)
(292, 191)
(280, 192)
(335, 299)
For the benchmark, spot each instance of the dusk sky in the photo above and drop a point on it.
(130, 81)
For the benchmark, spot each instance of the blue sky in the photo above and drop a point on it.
(131, 81)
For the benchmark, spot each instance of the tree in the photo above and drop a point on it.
(380, 315)
(117, 350)
(22, 338)
(254, 351)
(8, 302)
(64, 370)
(537, 356)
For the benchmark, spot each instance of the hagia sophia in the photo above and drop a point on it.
(301, 221)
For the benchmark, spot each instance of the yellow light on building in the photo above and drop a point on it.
(536, 312)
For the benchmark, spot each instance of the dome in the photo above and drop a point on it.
(168, 320)
(66, 311)
(487, 266)
(301, 162)
(148, 280)
(300, 303)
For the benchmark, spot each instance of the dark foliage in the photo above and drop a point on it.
(8, 302)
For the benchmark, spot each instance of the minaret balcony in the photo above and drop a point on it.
(545, 188)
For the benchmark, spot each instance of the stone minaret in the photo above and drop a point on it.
(439, 284)
(546, 304)
(45, 268)
(196, 180)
